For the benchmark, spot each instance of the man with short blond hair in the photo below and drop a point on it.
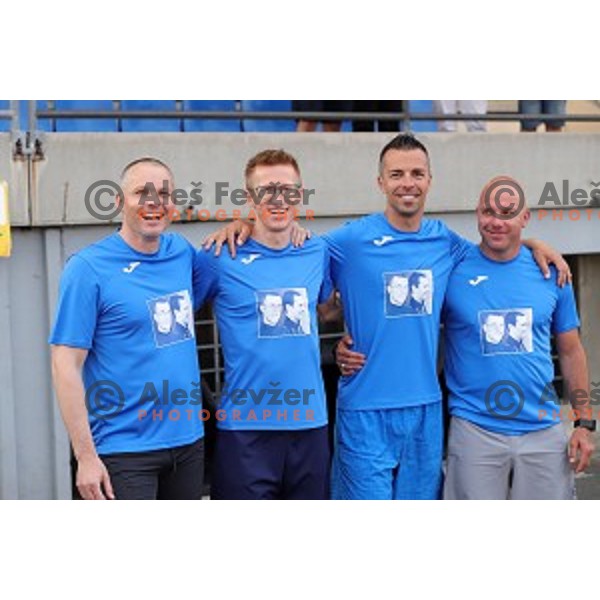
(272, 441)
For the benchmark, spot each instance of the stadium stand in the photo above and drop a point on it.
(85, 124)
(267, 124)
(222, 125)
(421, 107)
(4, 123)
(139, 125)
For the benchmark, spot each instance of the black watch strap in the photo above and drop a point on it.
(589, 424)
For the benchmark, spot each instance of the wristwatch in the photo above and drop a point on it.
(589, 424)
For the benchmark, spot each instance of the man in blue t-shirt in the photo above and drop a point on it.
(506, 436)
(272, 438)
(392, 270)
(124, 358)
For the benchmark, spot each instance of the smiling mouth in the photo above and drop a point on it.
(408, 198)
(152, 215)
(277, 212)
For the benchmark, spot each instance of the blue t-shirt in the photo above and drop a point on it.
(265, 305)
(392, 285)
(133, 312)
(498, 318)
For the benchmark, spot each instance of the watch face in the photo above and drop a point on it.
(586, 424)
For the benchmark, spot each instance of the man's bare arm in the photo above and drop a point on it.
(93, 480)
(331, 309)
(573, 364)
(237, 232)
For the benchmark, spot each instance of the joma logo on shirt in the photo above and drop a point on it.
(384, 240)
(132, 266)
(250, 259)
(477, 280)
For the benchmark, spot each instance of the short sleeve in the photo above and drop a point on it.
(565, 315)
(78, 306)
(459, 246)
(205, 277)
(337, 242)
(327, 285)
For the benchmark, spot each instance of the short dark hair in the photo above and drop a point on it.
(414, 279)
(403, 141)
(511, 317)
(175, 302)
(145, 160)
(289, 296)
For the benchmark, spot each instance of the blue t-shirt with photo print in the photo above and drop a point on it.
(499, 318)
(133, 313)
(265, 304)
(392, 285)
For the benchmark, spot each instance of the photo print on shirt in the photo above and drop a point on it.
(282, 312)
(408, 293)
(172, 318)
(506, 331)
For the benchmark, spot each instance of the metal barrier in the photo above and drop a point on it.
(405, 117)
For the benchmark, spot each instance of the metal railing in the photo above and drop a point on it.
(405, 118)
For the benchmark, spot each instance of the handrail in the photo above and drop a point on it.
(319, 116)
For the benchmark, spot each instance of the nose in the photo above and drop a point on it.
(495, 222)
(406, 181)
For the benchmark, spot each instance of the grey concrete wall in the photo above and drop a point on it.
(342, 168)
(33, 445)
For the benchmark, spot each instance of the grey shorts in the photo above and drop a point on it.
(483, 465)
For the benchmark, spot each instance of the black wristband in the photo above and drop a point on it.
(589, 424)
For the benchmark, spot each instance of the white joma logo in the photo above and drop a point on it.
(132, 266)
(384, 240)
(478, 279)
(250, 259)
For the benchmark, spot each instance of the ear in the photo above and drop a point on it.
(526, 218)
